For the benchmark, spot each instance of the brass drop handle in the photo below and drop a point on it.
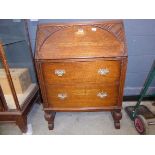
(103, 71)
(60, 72)
(62, 96)
(102, 94)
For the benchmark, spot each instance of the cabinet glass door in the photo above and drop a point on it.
(17, 52)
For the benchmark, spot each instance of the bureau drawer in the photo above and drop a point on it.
(75, 96)
(90, 71)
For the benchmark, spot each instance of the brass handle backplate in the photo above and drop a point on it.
(103, 71)
(60, 72)
(62, 96)
(102, 94)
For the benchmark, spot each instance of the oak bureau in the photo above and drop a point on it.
(81, 67)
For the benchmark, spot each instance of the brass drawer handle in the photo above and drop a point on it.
(80, 31)
(103, 71)
(60, 72)
(62, 96)
(102, 94)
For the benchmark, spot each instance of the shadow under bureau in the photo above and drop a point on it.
(81, 67)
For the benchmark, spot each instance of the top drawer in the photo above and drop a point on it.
(90, 71)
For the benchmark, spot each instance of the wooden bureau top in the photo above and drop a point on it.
(81, 40)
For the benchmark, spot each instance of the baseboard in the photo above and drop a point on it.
(136, 97)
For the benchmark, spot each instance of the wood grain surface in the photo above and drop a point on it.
(83, 95)
(80, 41)
(82, 72)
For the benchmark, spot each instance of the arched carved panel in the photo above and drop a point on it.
(44, 33)
(116, 29)
(81, 40)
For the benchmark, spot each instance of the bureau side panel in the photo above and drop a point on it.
(41, 83)
(122, 80)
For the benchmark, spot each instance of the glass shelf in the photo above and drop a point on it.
(7, 40)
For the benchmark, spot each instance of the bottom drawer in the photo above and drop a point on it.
(80, 96)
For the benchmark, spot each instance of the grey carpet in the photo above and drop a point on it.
(82, 123)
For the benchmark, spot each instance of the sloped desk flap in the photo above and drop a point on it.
(66, 41)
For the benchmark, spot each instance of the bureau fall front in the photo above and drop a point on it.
(81, 67)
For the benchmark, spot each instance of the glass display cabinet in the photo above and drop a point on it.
(18, 83)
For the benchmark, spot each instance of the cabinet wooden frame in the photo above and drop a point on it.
(18, 115)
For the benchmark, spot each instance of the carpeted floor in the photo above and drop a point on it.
(82, 123)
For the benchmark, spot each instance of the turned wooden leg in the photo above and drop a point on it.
(49, 117)
(117, 115)
(22, 123)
